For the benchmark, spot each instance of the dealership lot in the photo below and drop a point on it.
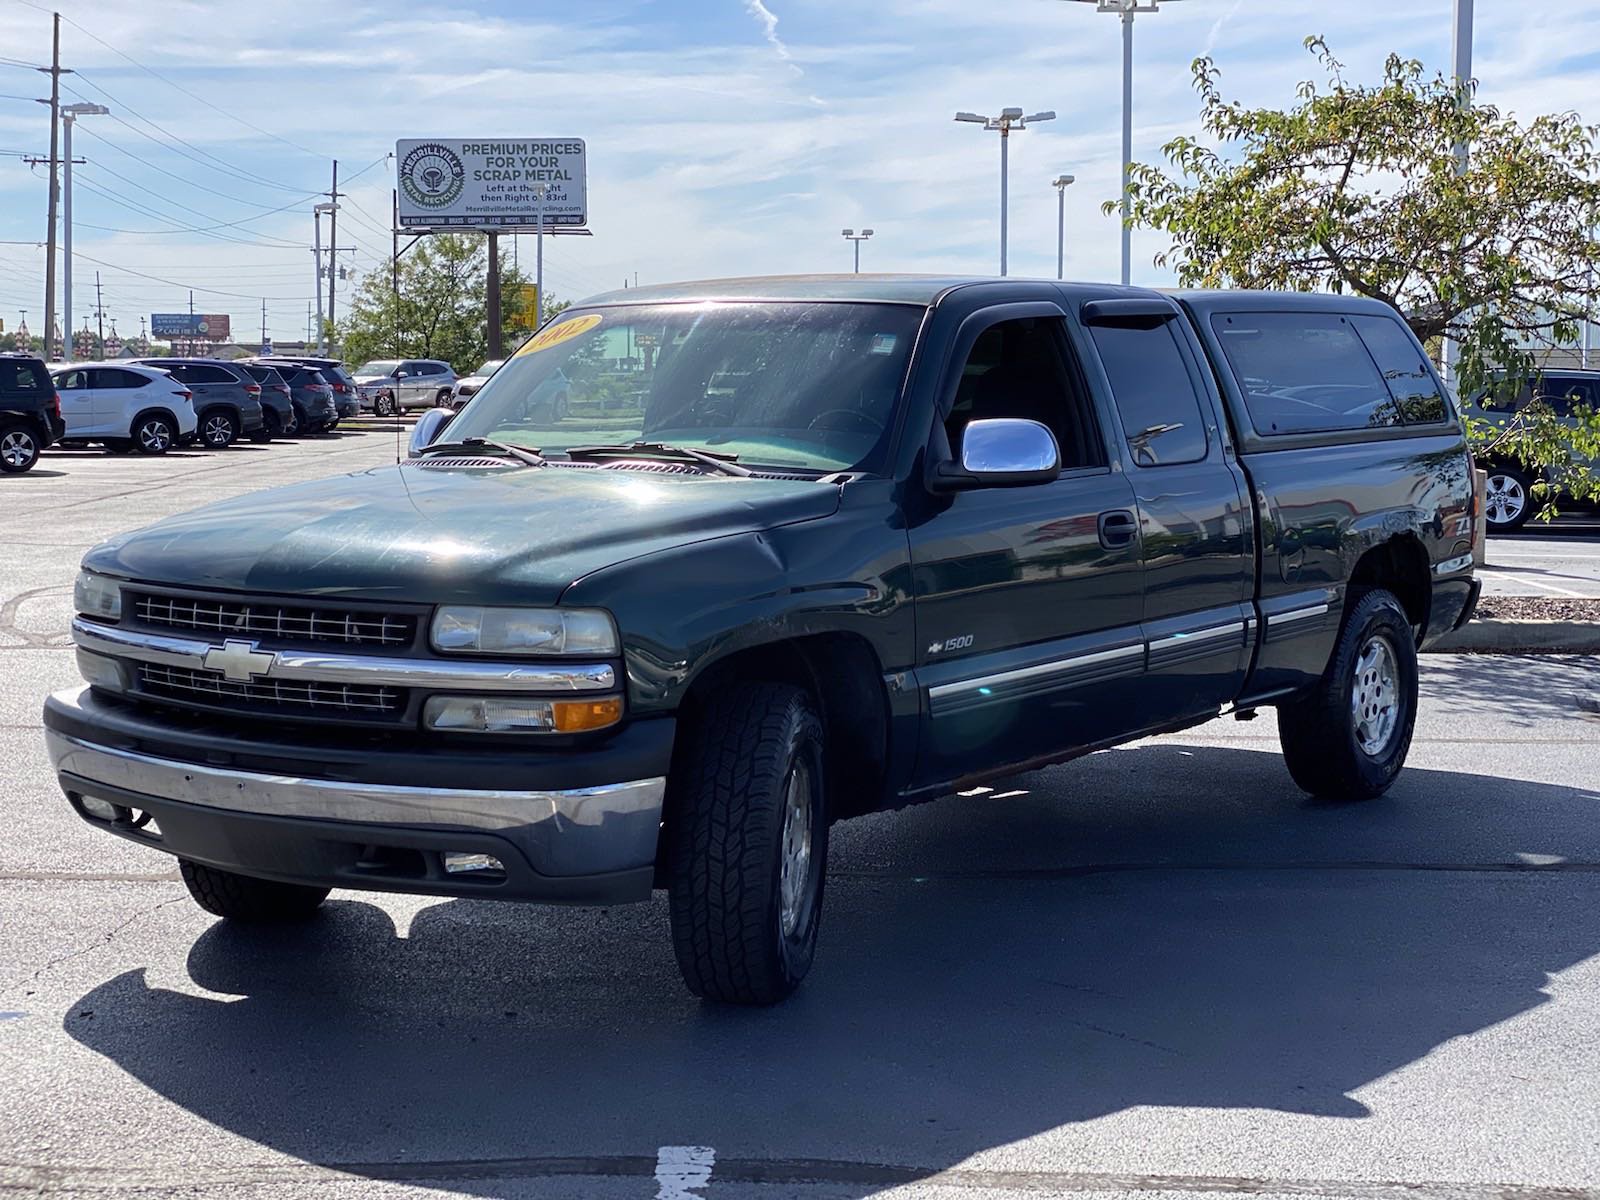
(1160, 969)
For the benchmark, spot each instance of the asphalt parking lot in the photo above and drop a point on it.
(1160, 970)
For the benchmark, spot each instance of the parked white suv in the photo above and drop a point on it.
(123, 406)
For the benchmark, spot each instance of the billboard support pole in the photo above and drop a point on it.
(538, 281)
(496, 347)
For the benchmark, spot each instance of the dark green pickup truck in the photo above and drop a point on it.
(794, 550)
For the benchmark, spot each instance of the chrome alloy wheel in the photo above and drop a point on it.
(154, 437)
(1504, 499)
(1375, 696)
(218, 431)
(794, 879)
(18, 449)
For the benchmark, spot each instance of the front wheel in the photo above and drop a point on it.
(19, 449)
(1507, 499)
(243, 898)
(153, 435)
(1348, 737)
(383, 406)
(747, 845)
(218, 430)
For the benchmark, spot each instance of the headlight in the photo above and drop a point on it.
(96, 596)
(467, 629)
(511, 714)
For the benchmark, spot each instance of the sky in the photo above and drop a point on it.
(725, 137)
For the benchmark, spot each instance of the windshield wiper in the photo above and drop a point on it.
(520, 453)
(721, 464)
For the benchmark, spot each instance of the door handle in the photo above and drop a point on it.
(1118, 528)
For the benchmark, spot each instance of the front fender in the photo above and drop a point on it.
(682, 609)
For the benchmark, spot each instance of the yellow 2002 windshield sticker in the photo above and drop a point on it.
(560, 332)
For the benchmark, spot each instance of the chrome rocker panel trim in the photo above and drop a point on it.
(314, 667)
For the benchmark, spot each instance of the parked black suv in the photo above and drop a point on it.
(227, 402)
(30, 412)
(346, 400)
(835, 545)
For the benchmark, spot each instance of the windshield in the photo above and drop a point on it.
(490, 367)
(384, 366)
(809, 386)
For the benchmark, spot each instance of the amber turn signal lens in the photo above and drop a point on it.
(576, 716)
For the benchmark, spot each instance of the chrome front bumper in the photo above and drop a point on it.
(592, 844)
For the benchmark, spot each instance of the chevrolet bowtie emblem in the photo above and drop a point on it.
(239, 661)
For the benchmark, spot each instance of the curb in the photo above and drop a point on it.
(1521, 637)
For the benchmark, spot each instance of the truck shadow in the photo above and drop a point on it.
(1118, 939)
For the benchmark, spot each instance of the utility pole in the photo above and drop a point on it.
(333, 244)
(263, 326)
(99, 319)
(50, 233)
(316, 250)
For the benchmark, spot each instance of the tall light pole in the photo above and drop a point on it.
(69, 114)
(1061, 183)
(1125, 9)
(1461, 71)
(1009, 119)
(852, 236)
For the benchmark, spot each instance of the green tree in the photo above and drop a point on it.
(443, 305)
(1358, 189)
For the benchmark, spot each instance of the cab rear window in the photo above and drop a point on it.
(1318, 372)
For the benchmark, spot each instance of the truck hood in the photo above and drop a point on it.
(513, 535)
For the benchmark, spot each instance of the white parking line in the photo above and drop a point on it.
(1548, 555)
(681, 1171)
(1522, 579)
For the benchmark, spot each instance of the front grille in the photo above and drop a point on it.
(301, 697)
(281, 622)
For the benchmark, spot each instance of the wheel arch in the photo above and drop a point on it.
(1401, 566)
(154, 410)
(844, 677)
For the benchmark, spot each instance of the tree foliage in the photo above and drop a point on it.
(1358, 189)
(443, 305)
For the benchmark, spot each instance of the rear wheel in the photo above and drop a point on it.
(19, 448)
(1348, 737)
(218, 429)
(1508, 499)
(442, 398)
(747, 845)
(243, 898)
(153, 434)
(297, 422)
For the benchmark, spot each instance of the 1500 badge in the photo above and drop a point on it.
(949, 646)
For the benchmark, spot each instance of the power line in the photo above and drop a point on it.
(190, 228)
(120, 149)
(173, 283)
(220, 165)
(179, 87)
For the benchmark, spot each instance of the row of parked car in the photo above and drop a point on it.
(150, 405)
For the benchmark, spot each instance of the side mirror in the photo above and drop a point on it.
(428, 428)
(1002, 452)
(399, 374)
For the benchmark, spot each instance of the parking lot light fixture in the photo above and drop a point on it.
(1061, 183)
(852, 236)
(1009, 119)
(69, 114)
(1126, 9)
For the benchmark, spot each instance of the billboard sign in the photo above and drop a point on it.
(455, 183)
(213, 327)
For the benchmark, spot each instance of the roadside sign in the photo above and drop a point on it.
(528, 304)
(212, 326)
(458, 183)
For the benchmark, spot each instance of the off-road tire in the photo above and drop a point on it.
(242, 898)
(724, 845)
(1318, 731)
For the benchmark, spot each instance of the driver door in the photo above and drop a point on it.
(1029, 600)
